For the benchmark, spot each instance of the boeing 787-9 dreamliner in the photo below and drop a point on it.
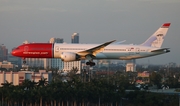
(107, 50)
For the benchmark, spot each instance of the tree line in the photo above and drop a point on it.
(74, 92)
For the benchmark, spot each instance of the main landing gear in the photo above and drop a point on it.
(91, 63)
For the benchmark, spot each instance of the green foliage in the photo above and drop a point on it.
(143, 98)
(107, 91)
(155, 79)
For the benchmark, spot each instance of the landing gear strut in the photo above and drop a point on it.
(24, 61)
(91, 63)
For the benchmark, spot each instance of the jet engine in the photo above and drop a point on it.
(69, 56)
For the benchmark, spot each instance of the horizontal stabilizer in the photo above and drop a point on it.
(162, 49)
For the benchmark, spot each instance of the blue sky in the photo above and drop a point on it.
(96, 21)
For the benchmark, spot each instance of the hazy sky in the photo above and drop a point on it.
(96, 21)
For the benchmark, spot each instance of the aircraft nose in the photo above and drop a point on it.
(13, 52)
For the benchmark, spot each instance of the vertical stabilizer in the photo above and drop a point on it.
(157, 38)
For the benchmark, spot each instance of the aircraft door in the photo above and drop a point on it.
(137, 50)
(127, 51)
(57, 51)
(130, 51)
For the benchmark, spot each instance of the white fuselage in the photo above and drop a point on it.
(112, 51)
(106, 50)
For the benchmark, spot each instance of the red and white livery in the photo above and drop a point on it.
(107, 50)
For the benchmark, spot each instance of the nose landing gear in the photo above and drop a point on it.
(24, 61)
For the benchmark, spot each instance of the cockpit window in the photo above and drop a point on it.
(17, 48)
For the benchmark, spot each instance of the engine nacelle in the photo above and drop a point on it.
(69, 56)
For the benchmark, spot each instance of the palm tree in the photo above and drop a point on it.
(5, 91)
(42, 82)
(41, 89)
(16, 94)
(6, 84)
(28, 84)
(27, 88)
(73, 72)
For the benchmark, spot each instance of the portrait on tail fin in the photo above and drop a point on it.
(157, 38)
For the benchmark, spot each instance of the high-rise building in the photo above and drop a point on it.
(14, 60)
(56, 40)
(3, 53)
(68, 66)
(18, 77)
(103, 63)
(7, 65)
(59, 40)
(35, 62)
(75, 38)
(56, 63)
(131, 65)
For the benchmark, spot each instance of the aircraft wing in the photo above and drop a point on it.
(93, 51)
(161, 49)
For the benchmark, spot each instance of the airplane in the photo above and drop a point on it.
(107, 50)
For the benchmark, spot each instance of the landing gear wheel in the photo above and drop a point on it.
(24, 61)
(87, 63)
(90, 63)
